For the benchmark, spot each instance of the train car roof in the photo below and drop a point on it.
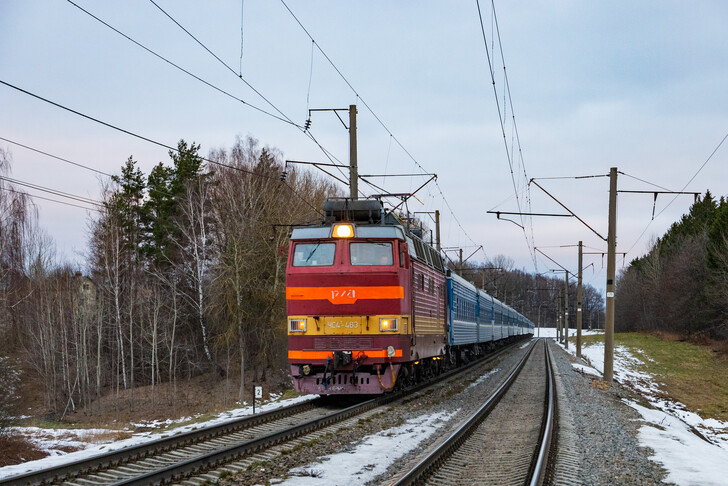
(360, 231)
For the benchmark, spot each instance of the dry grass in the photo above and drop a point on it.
(198, 397)
(15, 449)
(693, 374)
(599, 384)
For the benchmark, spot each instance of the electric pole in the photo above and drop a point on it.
(578, 306)
(611, 257)
(353, 169)
(437, 229)
(566, 308)
(559, 327)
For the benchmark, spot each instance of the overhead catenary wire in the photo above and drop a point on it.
(177, 66)
(223, 62)
(376, 117)
(715, 150)
(242, 32)
(501, 116)
(285, 118)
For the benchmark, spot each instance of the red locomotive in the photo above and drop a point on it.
(366, 302)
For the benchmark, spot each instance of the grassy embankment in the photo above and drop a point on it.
(694, 375)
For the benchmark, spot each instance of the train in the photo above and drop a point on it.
(372, 307)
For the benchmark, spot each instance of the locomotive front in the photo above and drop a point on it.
(348, 315)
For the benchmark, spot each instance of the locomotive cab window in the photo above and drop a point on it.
(314, 254)
(371, 253)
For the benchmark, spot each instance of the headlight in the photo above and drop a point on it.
(343, 231)
(386, 324)
(297, 325)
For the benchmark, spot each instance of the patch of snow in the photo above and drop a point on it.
(371, 457)
(58, 439)
(587, 370)
(483, 377)
(687, 458)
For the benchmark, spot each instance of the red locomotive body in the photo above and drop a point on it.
(363, 306)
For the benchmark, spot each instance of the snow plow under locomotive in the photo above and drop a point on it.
(370, 305)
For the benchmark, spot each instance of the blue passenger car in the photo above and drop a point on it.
(474, 317)
(462, 310)
(486, 317)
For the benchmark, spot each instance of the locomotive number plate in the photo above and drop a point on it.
(343, 325)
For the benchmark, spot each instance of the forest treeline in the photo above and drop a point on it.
(185, 274)
(681, 285)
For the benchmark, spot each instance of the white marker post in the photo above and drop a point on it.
(258, 394)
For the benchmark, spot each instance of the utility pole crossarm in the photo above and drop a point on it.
(544, 254)
(569, 210)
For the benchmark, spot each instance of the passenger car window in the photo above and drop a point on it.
(371, 254)
(313, 254)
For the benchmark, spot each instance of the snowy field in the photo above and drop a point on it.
(669, 427)
(668, 430)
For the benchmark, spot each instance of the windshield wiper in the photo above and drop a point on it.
(312, 252)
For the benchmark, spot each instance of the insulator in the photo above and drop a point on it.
(283, 176)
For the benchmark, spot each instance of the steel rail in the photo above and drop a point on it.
(205, 462)
(539, 468)
(208, 461)
(128, 454)
(433, 461)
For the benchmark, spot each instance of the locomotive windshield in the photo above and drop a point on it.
(371, 253)
(314, 254)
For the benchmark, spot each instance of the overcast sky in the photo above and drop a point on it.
(641, 86)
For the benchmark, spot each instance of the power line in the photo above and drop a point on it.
(35, 196)
(76, 163)
(128, 132)
(54, 192)
(159, 56)
(56, 157)
(141, 137)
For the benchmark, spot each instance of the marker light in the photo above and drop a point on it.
(386, 324)
(297, 325)
(343, 231)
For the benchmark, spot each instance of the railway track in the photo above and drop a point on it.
(207, 453)
(507, 440)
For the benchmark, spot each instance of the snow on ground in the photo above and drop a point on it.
(56, 441)
(370, 457)
(668, 431)
(687, 458)
(670, 428)
(483, 377)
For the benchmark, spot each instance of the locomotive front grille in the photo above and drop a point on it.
(342, 342)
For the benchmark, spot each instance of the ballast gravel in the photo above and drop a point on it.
(600, 446)
(602, 439)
